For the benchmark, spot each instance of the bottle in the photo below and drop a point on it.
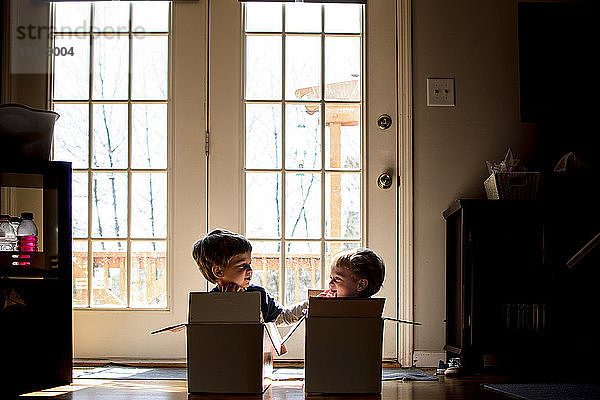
(15, 221)
(27, 233)
(8, 236)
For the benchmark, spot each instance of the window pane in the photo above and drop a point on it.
(111, 16)
(303, 17)
(148, 274)
(80, 204)
(149, 136)
(342, 205)
(342, 68)
(331, 249)
(263, 205)
(266, 263)
(80, 273)
(150, 16)
(123, 134)
(303, 67)
(263, 17)
(263, 67)
(72, 73)
(72, 17)
(111, 67)
(342, 136)
(302, 270)
(303, 205)
(302, 136)
(149, 205)
(263, 136)
(109, 199)
(342, 18)
(109, 269)
(110, 136)
(71, 134)
(149, 67)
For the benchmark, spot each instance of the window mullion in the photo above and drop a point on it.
(90, 158)
(323, 123)
(283, 271)
(129, 176)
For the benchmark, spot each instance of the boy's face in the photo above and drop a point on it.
(344, 284)
(237, 271)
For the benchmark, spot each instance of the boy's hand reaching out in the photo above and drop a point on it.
(327, 293)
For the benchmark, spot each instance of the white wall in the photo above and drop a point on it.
(474, 42)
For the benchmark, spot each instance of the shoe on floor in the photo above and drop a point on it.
(454, 367)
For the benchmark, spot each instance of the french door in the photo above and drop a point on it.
(297, 161)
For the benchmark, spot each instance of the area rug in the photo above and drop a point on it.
(387, 374)
(547, 391)
(175, 373)
(123, 372)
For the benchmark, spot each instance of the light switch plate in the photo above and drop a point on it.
(440, 92)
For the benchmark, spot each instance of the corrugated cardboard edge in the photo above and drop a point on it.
(345, 307)
(224, 307)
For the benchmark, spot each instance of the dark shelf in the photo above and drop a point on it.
(496, 282)
(14, 265)
(511, 298)
(36, 299)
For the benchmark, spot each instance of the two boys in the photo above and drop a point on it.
(224, 258)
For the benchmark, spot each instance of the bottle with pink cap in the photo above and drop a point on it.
(27, 233)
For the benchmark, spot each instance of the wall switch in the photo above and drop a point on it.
(440, 92)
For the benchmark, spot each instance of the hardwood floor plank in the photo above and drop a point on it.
(104, 389)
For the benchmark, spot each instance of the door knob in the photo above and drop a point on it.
(384, 121)
(384, 181)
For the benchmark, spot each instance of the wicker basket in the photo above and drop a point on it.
(513, 185)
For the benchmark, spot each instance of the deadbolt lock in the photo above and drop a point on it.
(384, 121)
(384, 181)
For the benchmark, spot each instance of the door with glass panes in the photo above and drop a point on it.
(132, 166)
(295, 90)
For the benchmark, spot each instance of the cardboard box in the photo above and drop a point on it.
(343, 345)
(229, 349)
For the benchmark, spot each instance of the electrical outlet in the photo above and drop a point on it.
(440, 92)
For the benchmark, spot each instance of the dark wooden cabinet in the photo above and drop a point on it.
(498, 297)
(35, 299)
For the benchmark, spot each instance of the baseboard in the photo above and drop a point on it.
(428, 358)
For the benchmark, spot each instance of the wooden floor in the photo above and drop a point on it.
(445, 388)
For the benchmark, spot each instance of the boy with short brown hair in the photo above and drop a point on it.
(355, 273)
(225, 258)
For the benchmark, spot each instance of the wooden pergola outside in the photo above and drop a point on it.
(336, 117)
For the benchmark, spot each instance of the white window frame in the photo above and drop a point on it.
(282, 170)
(131, 34)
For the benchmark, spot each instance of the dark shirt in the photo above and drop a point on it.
(269, 307)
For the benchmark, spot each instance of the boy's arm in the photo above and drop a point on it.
(291, 314)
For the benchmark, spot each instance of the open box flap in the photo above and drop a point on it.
(228, 307)
(293, 329)
(345, 307)
(401, 321)
(275, 336)
(172, 328)
(270, 327)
